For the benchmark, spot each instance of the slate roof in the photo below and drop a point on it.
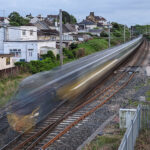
(87, 22)
(41, 25)
(68, 28)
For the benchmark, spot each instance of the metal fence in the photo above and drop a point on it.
(141, 120)
(145, 116)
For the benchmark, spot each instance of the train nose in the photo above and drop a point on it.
(20, 123)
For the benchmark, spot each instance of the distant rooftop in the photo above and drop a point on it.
(87, 22)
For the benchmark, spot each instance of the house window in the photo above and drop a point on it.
(24, 32)
(31, 32)
(15, 52)
(8, 61)
(30, 52)
(53, 38)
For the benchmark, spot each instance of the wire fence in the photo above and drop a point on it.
(141, 120)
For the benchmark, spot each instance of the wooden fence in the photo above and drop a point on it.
(14, 71)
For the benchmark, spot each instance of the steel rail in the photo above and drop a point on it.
(87, 114)
(76, 109)
(84, 116)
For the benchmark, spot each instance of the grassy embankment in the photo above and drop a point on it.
(143, 142)
(9, 86)
(109, 141)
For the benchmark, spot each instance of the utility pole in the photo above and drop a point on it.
(131, 33)
(60, 35)
(124, 33)
(146, 29)
(109, 35)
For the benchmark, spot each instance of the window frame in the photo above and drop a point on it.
(30, 52)
(31, 32)
(23, 32)
(7, 60)
(15, 52)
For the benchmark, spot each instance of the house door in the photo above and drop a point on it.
(30, 55)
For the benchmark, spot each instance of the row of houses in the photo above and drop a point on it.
(26, 43)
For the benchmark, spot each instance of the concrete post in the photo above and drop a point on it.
(132, 135)
(109, 35)
(124, 34)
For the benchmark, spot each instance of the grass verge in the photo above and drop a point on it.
(143, 142)
(9, 86)
(109, 141)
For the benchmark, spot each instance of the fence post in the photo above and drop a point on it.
(132, 135)
(126, 142)
(147, 116)
(139, 118)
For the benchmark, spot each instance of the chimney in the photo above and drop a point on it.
(92, 14)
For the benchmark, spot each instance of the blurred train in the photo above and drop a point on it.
(41, 93)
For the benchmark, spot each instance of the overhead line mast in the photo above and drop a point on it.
(109, 35)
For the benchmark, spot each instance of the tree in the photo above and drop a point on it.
(67, 18)
(73, 19)
(116, 25)
(29, 16)
(17, 20)
(73, 46)
(104, 34)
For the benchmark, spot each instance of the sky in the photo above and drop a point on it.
(129, 12)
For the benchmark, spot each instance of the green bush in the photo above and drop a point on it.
(117, 33)
(57, 56)
(73, 46)
(74, 53)
(49, 54)
(41, 65)
(97, 44)
(65, 50)
(68, 53)
(21, 64)
(104, 34)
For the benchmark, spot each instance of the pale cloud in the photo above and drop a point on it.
(126, 12)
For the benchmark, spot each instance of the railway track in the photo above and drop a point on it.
(57, 125)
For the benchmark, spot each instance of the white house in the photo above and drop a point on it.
(21, 33)
(23, 44)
